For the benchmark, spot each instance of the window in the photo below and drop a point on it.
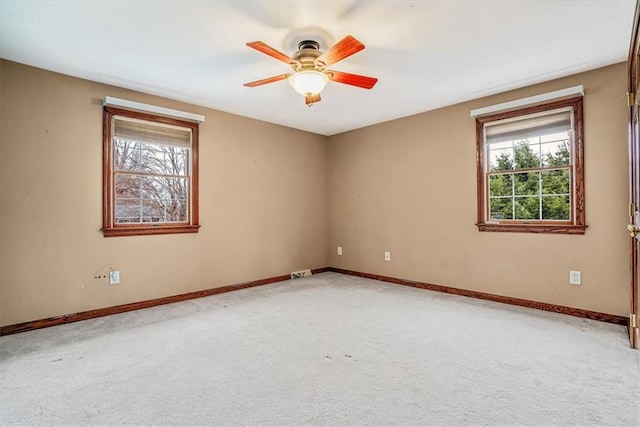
(150, 174)
(530, 169)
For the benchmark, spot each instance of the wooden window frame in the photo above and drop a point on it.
(109, 227)
(577, 224)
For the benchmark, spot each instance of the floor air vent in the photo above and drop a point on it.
(300, 274)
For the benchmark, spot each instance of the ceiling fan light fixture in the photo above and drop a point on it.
(309, 76)
(308, 82)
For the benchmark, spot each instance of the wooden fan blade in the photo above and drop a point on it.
(344, 48)
(267, 80)
(352, 79)
(312, 99)
(268, 50)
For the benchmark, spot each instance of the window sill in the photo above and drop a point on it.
(534, 228)
(146, 230)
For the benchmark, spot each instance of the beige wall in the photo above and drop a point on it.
(409, 186)
(275, 200)
(263, 198)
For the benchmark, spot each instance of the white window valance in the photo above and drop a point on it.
(147, 108)
(532, 100)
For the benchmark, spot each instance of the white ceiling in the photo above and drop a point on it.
(426, 54)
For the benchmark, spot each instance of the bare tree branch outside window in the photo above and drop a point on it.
(151, 182)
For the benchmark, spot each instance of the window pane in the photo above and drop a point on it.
(135, 156)
(501, 160)
(141, 198)
(161, 210)
(527, 208)
(175, 161)
(127, 211)
(501, 185)
(158, 187)
(556, 207)
(555, 182)
(152, 211)
(127, 186)
(527, 183)
(501, 208)
(126, 155)
(167, 198)
(556, 153)
(527, 154)
(176, 210)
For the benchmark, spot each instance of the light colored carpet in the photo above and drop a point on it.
(330, 349)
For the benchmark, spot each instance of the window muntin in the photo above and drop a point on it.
(150, 174)
(530, 169)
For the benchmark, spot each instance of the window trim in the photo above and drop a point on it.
(109, 227)
(577, 225)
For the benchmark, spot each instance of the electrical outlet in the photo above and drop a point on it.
(114, 277)
(575, 278)
(339, 250)
(387, 256)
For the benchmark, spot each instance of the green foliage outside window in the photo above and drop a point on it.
(531, 195)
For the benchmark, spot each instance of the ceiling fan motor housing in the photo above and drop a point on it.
(309, 44)
(306, 56)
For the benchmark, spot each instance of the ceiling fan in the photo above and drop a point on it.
(310, 76)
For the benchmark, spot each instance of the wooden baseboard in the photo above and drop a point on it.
(107, 311)
(578, 312)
